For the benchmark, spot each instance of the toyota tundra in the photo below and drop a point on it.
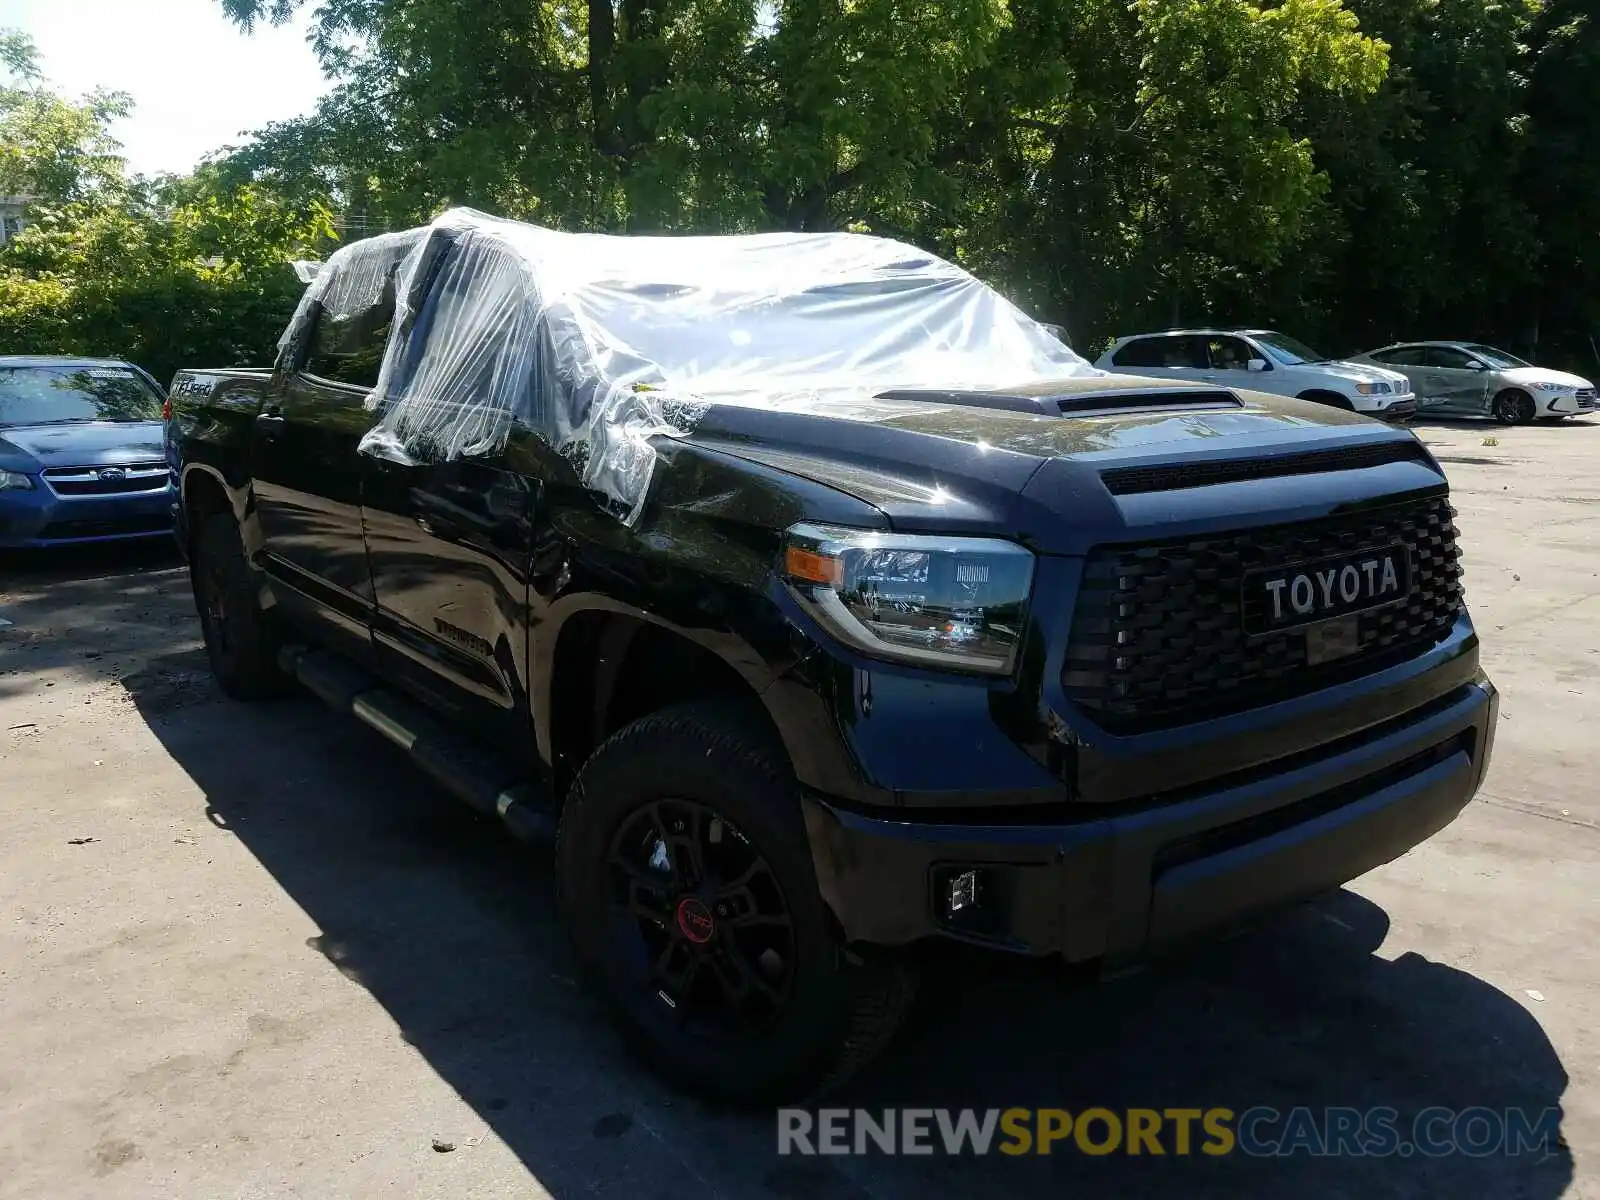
(820, 604)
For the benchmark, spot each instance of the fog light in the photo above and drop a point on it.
(963, 892)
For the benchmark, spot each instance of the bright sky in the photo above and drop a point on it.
(197, 82)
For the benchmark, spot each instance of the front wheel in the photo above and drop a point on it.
(687, 884)
(239, 639)
(1512, 407)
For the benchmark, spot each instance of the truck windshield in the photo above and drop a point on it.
(69, 393)
(1287, 350)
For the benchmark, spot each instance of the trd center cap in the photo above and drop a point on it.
(695, 921)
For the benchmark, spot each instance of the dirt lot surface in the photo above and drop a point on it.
(245, 951)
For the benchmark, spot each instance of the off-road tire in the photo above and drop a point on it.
(843, 1006)
(240, 640)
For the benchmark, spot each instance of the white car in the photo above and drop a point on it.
(1263, 361)
(1469, 379)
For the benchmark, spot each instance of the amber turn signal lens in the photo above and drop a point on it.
(807, 566)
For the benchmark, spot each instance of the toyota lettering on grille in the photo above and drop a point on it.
(1281, 598)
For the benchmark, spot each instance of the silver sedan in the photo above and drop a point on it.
(1468, 379)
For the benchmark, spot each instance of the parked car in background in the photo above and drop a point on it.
(1263, 361)
(1469, 379)
(81, 454)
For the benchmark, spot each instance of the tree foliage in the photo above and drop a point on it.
(1358, 170)
(166, 272)
(50, 147)
(1355, 171)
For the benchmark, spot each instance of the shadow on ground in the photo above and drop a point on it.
(451, 928)
(67, 563)
(1489, 424)
(94, 611)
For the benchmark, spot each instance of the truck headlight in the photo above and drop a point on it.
(950, 602)
(10, 481)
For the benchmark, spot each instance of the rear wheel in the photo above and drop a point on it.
(1512, 407)
(687, 884)
(239, 639)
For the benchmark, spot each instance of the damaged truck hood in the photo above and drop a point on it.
(985, 466)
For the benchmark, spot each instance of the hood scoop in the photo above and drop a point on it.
(1166, 477)
(1090, 402)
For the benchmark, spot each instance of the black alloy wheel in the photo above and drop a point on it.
(687, 884)
(702, 918)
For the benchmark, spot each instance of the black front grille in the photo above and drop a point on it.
(1158, 635)
(1585, 397)
(1125, 481)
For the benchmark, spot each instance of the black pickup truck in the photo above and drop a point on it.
(942, 635)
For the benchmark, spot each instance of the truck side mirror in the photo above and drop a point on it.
(1256, 364)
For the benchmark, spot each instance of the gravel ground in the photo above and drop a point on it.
(245, 951)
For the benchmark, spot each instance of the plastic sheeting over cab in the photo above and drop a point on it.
(600, 343)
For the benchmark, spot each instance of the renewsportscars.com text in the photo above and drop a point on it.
(1258, 1132)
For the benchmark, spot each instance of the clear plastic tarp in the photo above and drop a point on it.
(356, 283)
(600, 344)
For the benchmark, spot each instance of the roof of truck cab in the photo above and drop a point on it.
(600, 342)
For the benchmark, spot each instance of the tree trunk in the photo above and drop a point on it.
(602, 40)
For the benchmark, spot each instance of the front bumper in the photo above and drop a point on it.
(1112, 887)
(40, 518)
(1382, 408)
(1570, 404)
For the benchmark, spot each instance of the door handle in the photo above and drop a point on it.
(269, 424)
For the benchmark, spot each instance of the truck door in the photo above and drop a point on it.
(307, 474)
(451, 547)
(449, 531)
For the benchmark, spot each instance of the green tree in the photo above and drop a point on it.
(1355, 171)
(719, 114)
(165, 273)
(1109, 161)
(1560, 179)
(1424, 230)
(53, 150)
(1136, 162)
